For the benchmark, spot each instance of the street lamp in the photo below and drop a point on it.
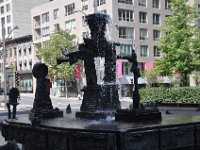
(4, 58)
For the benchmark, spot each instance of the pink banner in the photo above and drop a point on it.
(78, 72)
(149, 66)
(119, 69)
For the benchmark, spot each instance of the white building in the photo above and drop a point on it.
(134, 22)
(17, 13)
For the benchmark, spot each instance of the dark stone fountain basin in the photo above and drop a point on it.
(69, 133)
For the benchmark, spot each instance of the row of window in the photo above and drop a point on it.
(126, 50)
(155, 3)
(128, 33)
(128, 15)
(13, 52)
(2, 9)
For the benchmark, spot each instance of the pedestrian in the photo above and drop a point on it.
(13, 100)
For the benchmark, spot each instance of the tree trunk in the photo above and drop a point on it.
(185, 79)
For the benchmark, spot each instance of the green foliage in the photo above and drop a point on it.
(59, 41)
(178, 41)
(171, 95)
(150, 76)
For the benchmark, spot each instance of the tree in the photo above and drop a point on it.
(59, 41)
(176, 44)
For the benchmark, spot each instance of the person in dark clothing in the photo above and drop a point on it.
(13, 97)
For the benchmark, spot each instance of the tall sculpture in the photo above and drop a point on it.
(138, 112)
(42, 105)
(96, 97)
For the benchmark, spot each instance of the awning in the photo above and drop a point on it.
(127, 80)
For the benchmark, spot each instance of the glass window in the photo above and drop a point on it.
(156, 35)
(84, 5)
(101, 2)
(167, 4)
(125, 15)
(55, 13)
(45, 17)
(8, 18)
(8, 30)
(2, 9)
(143, 34)
(24, 51)
(125, 50)
(156, 51)
(156, 18)
(29, 50)
(126, 1)
(57, 26)
(126, 33)
(69, 9)
(7, 7)
(45, 31)
(71, 24)
(143, 50)
(142, 3)
(143, 17)
(156, 4)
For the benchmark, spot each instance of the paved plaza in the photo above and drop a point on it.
(26, 103)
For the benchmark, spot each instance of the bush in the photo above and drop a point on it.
(171, 95)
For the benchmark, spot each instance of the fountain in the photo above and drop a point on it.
(94, 126)
(98, 100)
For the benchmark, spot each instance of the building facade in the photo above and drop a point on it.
(15, 25)
(134, 24)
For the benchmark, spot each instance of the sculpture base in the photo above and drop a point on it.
(94, 115)
(138, 115)
(46, 114)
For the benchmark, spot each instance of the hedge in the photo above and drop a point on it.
(171, 95)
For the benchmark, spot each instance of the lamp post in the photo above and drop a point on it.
(4, 58)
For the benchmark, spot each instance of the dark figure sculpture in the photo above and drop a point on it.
(138, 112)
(42, 105)
(136, 74)
(13, 100)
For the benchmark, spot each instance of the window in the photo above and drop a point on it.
(125, 15)
(55, 14)
(156, 52)
(20, 52)
(126, 1)
(155, 4)
(156, 35)
(84, 5)
(142, 3)
(143, 34)
(29, 50)
(143, 17)
(126, 68)
(57, 26)
(71, 24)
(69, 9)
(126, 33)
(83, 21)
(8, 18)
(125, 50)
(45, 17)
(45, 31)
(101, 2)
(143, 50)
(7, 7)
(2, 9)
(24, 51)
(167, 4)
(8, 30)
(156, 18)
